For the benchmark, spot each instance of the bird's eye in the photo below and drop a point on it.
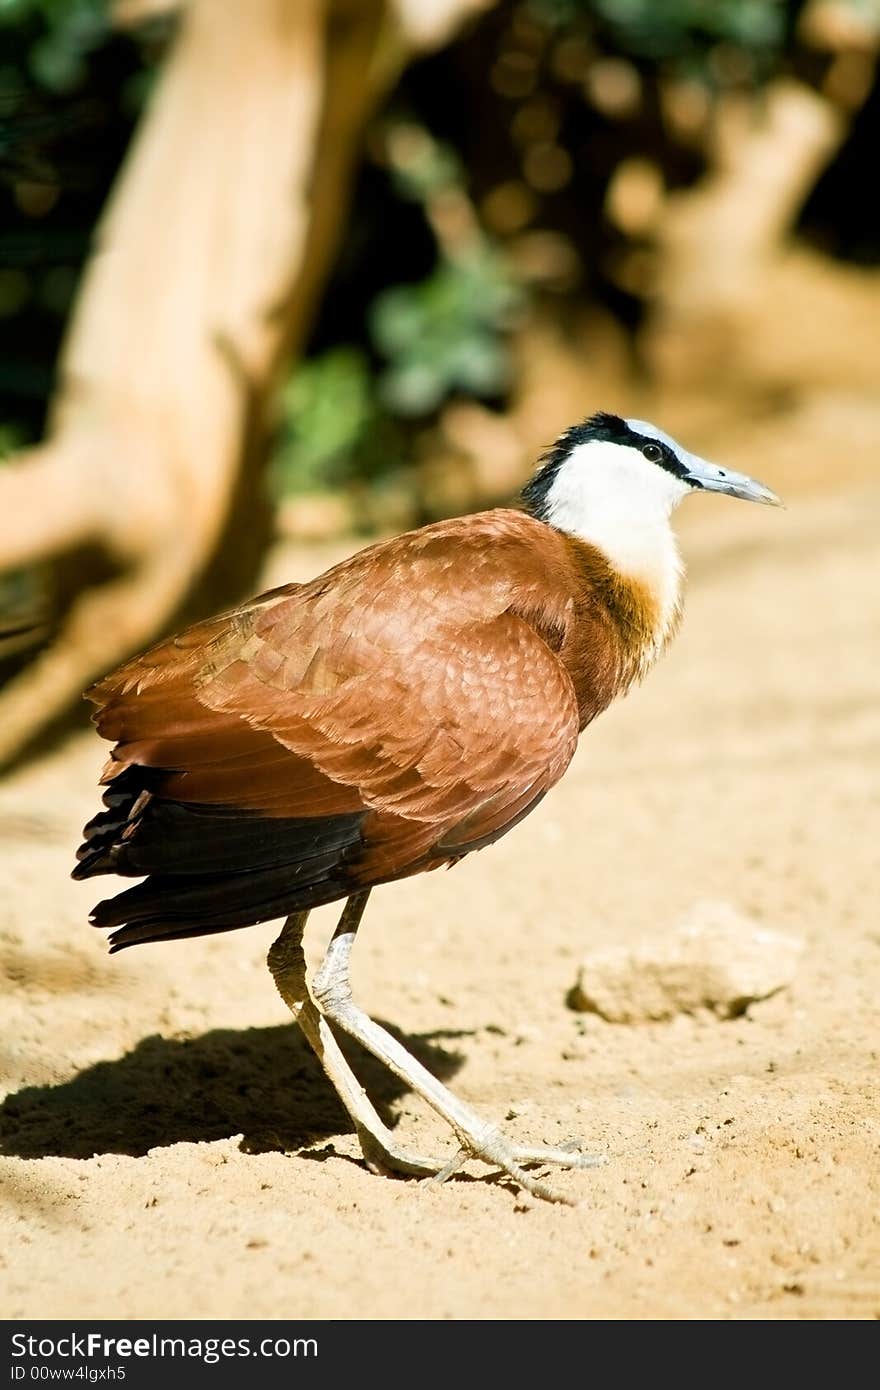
(652, 452)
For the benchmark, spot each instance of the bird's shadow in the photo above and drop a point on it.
(262, 1083)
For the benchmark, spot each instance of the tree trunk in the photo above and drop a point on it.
(207, 265)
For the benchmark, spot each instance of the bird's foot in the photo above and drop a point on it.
(334, 1005)
(492, 1147)
(384, 1156)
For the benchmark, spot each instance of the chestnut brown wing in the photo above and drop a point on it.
(392, 716)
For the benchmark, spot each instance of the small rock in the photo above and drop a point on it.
(718, 959)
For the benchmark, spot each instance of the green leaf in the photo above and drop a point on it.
(446, 333)
(332, 428)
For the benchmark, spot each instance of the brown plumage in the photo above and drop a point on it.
(407, 707)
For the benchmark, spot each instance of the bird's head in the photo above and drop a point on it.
(628, 470)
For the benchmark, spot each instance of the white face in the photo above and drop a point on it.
(618, 500)
(619, 495)
(604, 487)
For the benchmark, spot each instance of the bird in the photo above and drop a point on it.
(398, 712)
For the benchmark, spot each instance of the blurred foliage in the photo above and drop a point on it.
(510, 129)
(331, 428)
(675, 29)
(445, 334)
(10, 440)
(65, 32)
(490, 188)
(70, 91)
(345, 411)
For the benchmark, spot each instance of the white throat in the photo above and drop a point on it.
(621, 503)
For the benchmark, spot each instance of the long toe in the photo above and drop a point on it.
(491, 1146)
(568, 1155)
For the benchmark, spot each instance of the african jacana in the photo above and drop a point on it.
(405, 708)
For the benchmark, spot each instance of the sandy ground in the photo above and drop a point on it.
(171, 1148)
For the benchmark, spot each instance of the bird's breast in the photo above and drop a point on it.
(620, 624)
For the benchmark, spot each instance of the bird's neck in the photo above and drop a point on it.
(644, 585)
(643, 553)
(621, 508)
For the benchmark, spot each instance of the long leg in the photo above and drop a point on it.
(380, 1149)
(477, 1138)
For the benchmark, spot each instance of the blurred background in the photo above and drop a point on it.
(305, 270)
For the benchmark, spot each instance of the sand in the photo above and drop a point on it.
(171, 1148)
